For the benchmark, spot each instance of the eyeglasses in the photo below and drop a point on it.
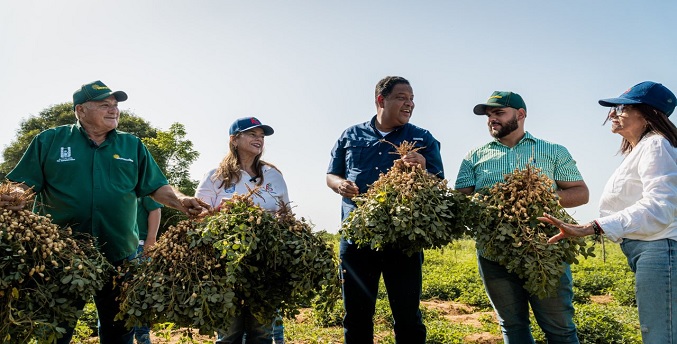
(618, 110)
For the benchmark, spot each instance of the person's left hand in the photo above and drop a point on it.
(12, 201)
(414, 158)
(194, 206)
(148, 243)
(566, 230)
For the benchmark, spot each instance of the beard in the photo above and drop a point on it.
(506, 128)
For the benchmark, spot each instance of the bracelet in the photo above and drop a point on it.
(597, 228)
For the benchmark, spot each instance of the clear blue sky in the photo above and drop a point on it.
(308, 69)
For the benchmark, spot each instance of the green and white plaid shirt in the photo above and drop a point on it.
(486, 165)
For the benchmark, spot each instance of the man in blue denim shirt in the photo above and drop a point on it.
(357, 159)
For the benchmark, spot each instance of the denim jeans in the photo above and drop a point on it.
(246, 329)
(278, 330)
(511, 303)
(361, 270)
(107, 307)
(655, 266)
(141, 333)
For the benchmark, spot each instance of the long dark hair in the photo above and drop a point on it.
(657, 122)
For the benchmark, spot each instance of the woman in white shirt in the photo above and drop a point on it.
(638, 207)
(242, 167)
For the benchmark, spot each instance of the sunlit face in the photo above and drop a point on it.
(100, 115)
(627, 121)
(398, 106)
(249, 143)
(502, 121)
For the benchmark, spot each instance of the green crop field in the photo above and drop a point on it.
(456, 309)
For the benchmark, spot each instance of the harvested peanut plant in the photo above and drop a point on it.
(511, 234)
(409, 209)
(45, 272)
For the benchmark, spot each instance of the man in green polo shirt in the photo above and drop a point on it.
(88, 176)
(513, 148)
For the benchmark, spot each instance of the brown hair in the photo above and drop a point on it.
(229, 168)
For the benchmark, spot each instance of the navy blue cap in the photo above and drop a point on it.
(246, 123)
(647, 92)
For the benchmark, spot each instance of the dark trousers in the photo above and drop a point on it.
(361, 271)
(107, 307)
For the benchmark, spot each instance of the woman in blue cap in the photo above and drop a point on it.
(638, 207)
(241, 170)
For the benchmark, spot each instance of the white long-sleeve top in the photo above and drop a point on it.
(640, 199)
(272, 189)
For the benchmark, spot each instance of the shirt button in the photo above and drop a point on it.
(379, 153)
(376, 168)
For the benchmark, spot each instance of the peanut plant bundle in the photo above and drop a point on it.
(409, 209)
(181, 282)
(45, 272)
(511, 235)
(201, 274)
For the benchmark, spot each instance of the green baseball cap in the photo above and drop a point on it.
(501, 99)
(96, 90)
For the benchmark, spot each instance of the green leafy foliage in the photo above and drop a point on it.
(512, 236)
(44, 272)
(409, 209)
(201, 274)
(174, 154)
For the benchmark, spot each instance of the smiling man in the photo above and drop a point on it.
(88, 176)
(357, 158)
(513, 148)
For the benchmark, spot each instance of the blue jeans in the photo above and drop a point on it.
(511, 303)
(361, 270)
(141, 333)
(278, 330)
(655, 266)
(107, 307)
(246, 329)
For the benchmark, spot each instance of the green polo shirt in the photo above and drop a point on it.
(486, 165)
(93, 189)
(146, 205)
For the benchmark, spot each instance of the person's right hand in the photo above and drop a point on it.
(348, 189)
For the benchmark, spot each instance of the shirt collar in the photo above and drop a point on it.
(372, 123)
(109, 136)
(527, 137)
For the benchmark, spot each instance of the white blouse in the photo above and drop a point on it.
(272, 189)
(640, 199)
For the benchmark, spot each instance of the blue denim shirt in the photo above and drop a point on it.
(358, 155)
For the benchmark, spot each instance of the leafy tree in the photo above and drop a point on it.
(173, 153)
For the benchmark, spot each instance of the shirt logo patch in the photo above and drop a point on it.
(117, 157)
(417, 138)
(230, 189)
(268, 188)
(65, 155)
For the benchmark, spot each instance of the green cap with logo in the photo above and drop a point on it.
(501, 99)
(96, 90)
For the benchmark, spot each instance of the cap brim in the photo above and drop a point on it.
(481, 109)
(119, 96)
(610, 102)
(267, 130)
